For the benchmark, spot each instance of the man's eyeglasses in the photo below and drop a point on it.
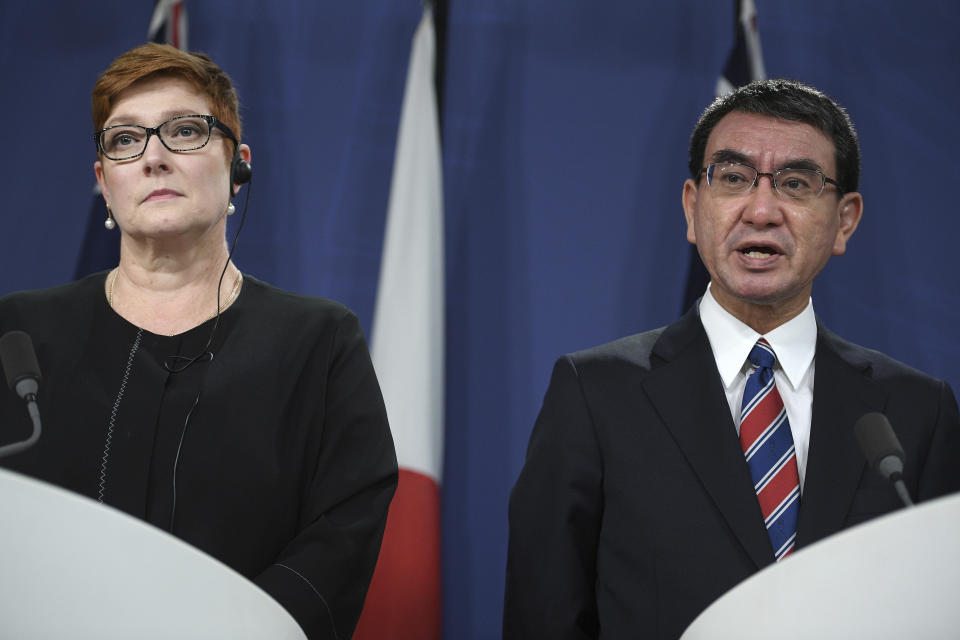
(734, 178)
(183, 133)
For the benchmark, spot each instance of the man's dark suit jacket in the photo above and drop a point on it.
(635, 508)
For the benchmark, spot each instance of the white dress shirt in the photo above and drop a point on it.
(794, 343)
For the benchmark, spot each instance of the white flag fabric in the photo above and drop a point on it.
(407, 348)
(408, 322)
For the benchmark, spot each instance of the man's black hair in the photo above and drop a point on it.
(786, 100)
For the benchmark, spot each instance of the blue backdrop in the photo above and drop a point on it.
(565, 132)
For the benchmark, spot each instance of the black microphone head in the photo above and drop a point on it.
(877, 439)
(18, 358)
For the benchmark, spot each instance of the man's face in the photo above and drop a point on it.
(764, 249)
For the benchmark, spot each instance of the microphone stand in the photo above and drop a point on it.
(26, 389)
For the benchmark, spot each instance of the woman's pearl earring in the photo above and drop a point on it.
(231, 209)
(109, 223)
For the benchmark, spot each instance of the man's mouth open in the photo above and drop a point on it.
(759, 252)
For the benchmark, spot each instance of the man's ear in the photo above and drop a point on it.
(689, 201)
(849, 211)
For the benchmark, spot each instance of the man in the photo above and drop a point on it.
(668, 466)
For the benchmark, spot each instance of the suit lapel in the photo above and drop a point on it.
(688, 394)
(842, 392)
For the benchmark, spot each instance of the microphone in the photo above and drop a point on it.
(22, 371)
(883, 450)
(20, 364)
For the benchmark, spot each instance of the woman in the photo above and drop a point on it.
(243, 419)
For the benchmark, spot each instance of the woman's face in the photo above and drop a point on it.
(164, 194)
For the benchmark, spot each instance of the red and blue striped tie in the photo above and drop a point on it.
(768, 447)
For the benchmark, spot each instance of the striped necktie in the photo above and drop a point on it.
(768, 447)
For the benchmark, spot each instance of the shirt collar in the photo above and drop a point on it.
(794, 342)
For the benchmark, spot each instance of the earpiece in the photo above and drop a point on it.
(240, 171)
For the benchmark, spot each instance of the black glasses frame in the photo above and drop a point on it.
(773, 178)
(212, 123)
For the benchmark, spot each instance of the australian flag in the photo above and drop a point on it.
(169, 23)
(101, 248)
(744, 65)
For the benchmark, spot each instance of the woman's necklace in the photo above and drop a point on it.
(226, 303)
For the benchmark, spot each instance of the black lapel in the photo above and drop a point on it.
(842, 392)
(687, 392)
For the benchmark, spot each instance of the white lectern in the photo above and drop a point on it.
(72, 568)
(894, 577)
